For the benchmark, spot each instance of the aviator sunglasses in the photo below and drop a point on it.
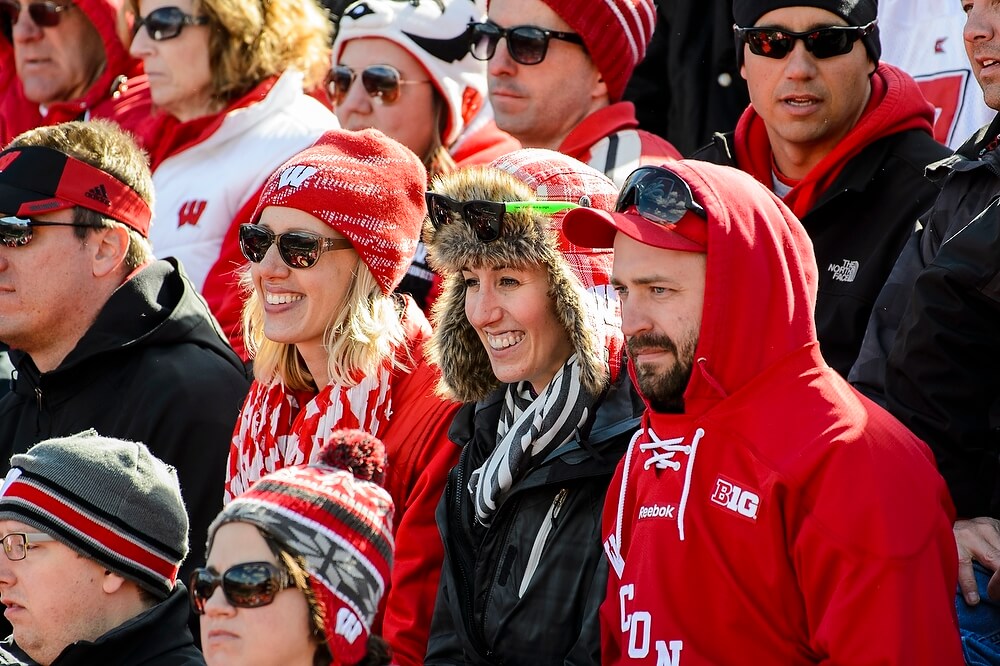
(298, 249)
(527, 44)
(485, 218)
(166, 23)
(658, 195)
(17, 231)
(246, 585)
(45, 14)
(381, 82)
(823, 43)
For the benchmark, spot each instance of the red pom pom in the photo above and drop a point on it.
(357, 452)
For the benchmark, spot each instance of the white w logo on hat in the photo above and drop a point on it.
(295, 176)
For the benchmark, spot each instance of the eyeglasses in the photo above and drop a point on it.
(823, 43)
(246, 585)
(527, 44)
(659, 195)
(485, 218)
(45, 14)
(166, 23)
(381, 82)
(18, 231)
(298, 249)
(17, 544)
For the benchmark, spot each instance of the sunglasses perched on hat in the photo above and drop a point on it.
(485, 218)
(777, 43)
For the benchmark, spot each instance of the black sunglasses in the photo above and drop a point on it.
(381, 82)
(17, 231)
(45, 14)
(298, 249)
(823, 43)
(485, 218)
(166, 23)
(246, 585)
(659, 195)
(527, 44)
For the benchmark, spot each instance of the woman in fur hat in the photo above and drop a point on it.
(527, 334)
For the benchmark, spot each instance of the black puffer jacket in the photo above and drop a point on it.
(496, 603)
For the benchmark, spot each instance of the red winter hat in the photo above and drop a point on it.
(365, 185)
(615, 32)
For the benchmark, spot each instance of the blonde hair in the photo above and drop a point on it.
(361, 337)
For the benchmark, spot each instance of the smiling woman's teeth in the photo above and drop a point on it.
(504, 341)
(281, 299)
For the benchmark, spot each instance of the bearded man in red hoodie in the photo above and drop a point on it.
(842, 139)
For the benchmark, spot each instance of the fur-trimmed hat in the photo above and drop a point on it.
(578, 278)
(435, 33)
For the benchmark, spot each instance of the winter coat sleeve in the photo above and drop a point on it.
(587, 650)
(943, 374)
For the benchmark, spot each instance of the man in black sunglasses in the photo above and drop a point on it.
(842, 139)
(557, 71)
(69, 63)
(92, 533)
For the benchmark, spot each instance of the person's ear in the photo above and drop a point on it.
(111, 582)
(110, 247)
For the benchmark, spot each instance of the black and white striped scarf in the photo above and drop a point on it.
(530, 429)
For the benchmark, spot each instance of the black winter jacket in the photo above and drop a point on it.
(969, 180)
(157, 637)
(858, 227)
(154, 367)
(498, 605)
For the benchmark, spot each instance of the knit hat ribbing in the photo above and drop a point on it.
(368, 187)
(335, 515)
(108, 499)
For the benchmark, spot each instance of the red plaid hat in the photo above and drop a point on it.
(365, 185)
(337, 517)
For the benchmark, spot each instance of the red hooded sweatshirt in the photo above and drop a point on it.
(896, 105)
(783, 518)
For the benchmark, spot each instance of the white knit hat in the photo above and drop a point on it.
(433, 32)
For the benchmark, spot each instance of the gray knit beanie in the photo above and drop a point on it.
(108, 499)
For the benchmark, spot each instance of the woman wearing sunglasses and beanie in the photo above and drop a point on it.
(227, 79)
(527, 333)
(298, 563)
(334, 347)
(404, 68)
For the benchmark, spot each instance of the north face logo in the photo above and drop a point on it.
(845, 272)
(98, 194)
(190, 212)
(348, 625)
(295, 176)
(8, 159)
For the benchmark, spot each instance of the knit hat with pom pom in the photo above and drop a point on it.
(336, 516)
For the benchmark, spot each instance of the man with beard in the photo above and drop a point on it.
(762, 491)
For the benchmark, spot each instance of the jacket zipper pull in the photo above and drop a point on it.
(38, 397)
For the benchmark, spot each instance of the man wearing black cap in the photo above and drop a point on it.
(104, 336)
(841, 139)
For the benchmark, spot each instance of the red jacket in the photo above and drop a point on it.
(783, 518)
(121, 92)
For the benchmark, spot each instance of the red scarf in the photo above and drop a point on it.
(896, 105)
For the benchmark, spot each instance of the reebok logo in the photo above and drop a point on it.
(348, 625)
(190, 212)
(731, 496)
(657, 511)
(8, 159)
(845, 272)
(98, 194)
(294, 176)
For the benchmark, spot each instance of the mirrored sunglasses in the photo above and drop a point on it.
(246, 585)
(17, 231)
(44, 14)
(658, 195)
(485, 218)
(823, 43)
(381, 82)
(527, 44)
(298, 249)
(166, 23)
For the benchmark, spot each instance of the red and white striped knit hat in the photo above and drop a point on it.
(337, 517)
(108, 499)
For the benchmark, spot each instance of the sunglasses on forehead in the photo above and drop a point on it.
(381, 82)
(659, 195)
(246, 585)
(18, 231)
(485, 218)
(823, 43)
(527, 44)
(298, 249)
(44, 14)
(166, 23)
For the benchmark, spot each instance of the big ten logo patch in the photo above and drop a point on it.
(348, 625)
(733, 497)
(638, 625)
